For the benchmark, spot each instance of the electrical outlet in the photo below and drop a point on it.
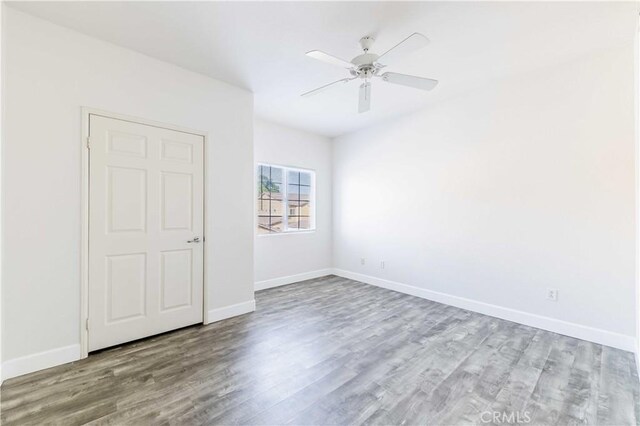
(382, 264)
(552, 294)
(362, 261)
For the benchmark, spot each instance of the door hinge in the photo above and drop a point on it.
(86, 324)
(88, 142)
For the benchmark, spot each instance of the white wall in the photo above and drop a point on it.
(498, 195)
(1, 173)
(50, 73)
(279, 256)
(636, 72)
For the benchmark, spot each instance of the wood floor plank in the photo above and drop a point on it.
(616, 393)
(581, 406)
(334, 351)
(426, 396)
(486, 372)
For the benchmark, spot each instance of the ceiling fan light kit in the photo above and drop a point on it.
(367, 66)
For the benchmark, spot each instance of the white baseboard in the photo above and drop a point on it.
(219, 314)
(39, 361)
(290, 279)
(51, 358)
(596, 335)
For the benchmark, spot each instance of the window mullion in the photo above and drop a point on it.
(285, 200)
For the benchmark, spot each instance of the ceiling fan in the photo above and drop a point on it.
(368, 66)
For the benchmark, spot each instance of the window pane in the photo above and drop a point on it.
(277, 224)
(270, 199)
(268, 224)
(305, 178)
(268, 184)
(276, 174)
(293, 192)
(299, 192)
(263, 179)
(305, 222)
(299, 200)
(299, 208)
(293, 177)
(264, 207)
(294, 208)
(305, 208)
(263, 225)
(275, 209)
(305, 193)
(292, 223)
(299, 222)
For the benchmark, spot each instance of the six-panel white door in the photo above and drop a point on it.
(146, 227)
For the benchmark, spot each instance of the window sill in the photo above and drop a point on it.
(273, 234)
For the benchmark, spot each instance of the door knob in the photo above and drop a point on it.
(195, 240)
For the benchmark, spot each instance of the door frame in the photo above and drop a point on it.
(84, 213)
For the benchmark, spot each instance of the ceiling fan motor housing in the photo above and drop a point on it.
(365, 65)
(364, 59)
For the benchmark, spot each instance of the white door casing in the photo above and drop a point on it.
(146, 201)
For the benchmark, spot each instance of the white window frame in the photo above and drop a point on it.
(285, 200)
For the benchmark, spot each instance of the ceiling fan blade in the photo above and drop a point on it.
(325, 57)
(325, 87)
(409, 80)
(414, 42)
(364, 104)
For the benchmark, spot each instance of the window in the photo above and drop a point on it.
(285, 199)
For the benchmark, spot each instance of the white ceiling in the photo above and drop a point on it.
(260, 46)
